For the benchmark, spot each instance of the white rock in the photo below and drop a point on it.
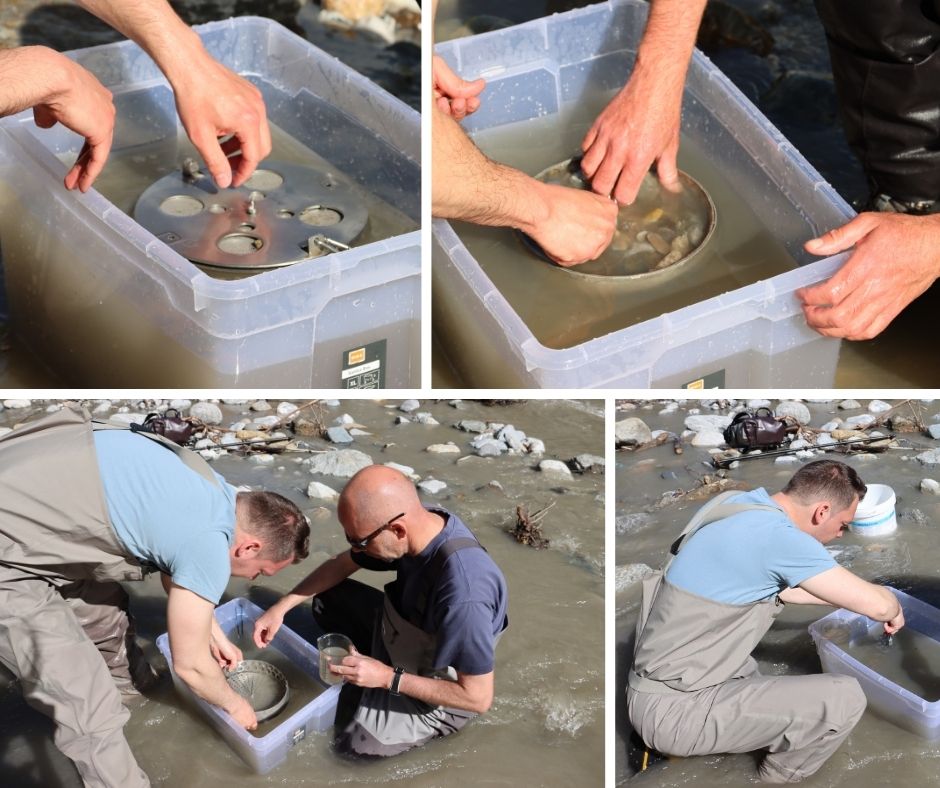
(824, 438)
(286, 408)
(534, 446)
(632, 431)
(786, 459)
(930, 486)
(379, 28)
(849, 404)
(934, 431)
(443, 448)
(228, 439)
(204, 443)
(262, 459)
(235, 401)
(432, 486)
(798, 443)
(211, 454)
(796, 410)
(878, 406)
(5, 430)
(206, 412)
(342, 462)
(14, 404)
(343, 420)
(554, 466)
(829, 426)
(409, 406)
(128, 418)
(425, 418)
(54, 408)
(866, 457)
(260, 406)
(863, 420)
(265, 421)
(406, 470)
(754, 404)
(356, 432)
(707, 422)
(321, 491)
(707, 438)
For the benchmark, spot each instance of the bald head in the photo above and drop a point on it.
(375, 494)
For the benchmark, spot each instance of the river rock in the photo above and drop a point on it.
(534, 446)
(707, 438)
(632, 432)
(878, 406)
(842, 435)
(513, 438)
(404, 470)
(798, 443)
(707, 421)
(286, 408)
(432, 486)
(15, 404)
(823, 439)
(338, 435)
(929, 457)
(425, 418)
(934, 431)
(588, 463)
(356, 432)
(554, 466)
(471, 425)
(409, 406)
(331, 403)
(795, 410)
(262, 459)
(862, 420)
(206, 412)
(128, 418)
(103, 407)
(307, 428)
(343, 463)
(901, 423)
(260, 406)
(930, 486)
(443, 448)
(321, 491)
(354, 9)
(344, 421)
(829, 426)
(489, 447)
(849, 404)
(181, 404)
(786, 459)
(263, 422)
(402, 420)
(754, 404)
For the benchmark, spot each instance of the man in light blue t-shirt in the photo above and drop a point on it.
(86, 507)
(694, 688)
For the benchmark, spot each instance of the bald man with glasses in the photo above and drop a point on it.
(424, 664)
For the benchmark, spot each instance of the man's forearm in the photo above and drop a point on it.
(205, 678)
(668, 41)
(470, 187)
(439, 692)
(29, 76)
(155, 26)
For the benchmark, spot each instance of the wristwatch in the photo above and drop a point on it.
(396, 680)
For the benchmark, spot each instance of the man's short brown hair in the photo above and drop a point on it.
(278, 522)
(826, 480)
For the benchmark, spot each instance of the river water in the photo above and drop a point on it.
(877, 752)
(546, 725)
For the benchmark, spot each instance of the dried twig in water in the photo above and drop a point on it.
(528, 528)
(705, 487)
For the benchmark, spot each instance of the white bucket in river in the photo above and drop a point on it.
(875, 515)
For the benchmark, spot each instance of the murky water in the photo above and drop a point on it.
(910, 659)
(546, 725)
(877, 752)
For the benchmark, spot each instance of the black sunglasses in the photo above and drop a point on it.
(362, 544)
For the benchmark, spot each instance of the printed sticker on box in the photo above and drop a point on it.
(364, 366)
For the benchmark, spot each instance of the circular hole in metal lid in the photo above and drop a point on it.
(264, 180)
(217, 208)
(182, 205)
(320, 216)
(240, 243)
(661, 232)
(262, 685)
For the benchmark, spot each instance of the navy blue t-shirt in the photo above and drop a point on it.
(467, 609)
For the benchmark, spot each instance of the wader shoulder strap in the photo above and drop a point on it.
(189, 458)
(716, 509)
(432, 573)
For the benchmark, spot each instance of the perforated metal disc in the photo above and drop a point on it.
(262, 685)
(657, 236)
(292, 203)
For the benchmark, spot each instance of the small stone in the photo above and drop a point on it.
(866, 457)
(443, 448)
(5, 430)
(707, 438)
(211, 454)
(103, 407)
(798, 443)
(934, 431)
(286, 408)
(206, 412)
(471, 425)
(251, 435)
(356, 432)
(405, 470)
(929, 457)
(849, 404)
(402, 420)
(795, 410)
(331, 403)
(707, 422)
(490, 448)
(204, 443)
(260, 406)
(409, 405)
(754, 404)
(354, 9)
(554, 466)
(787, 459)
(668, 475)
(829, 426)
(590, 462)
(235, 401)
(307, 428)
(54, 408)
(262, 459)
(513, 438)
(338, 435)
(425, 418)
(228, 439)
(432, 486)
(863, 420)
(128, 418)
(344, 421)
(901, 423)
(322, 491)
(930, 486)
(494, 485)
(632, 432)
(16, 404)
(878, 406)
(823, 439)
(264, 421)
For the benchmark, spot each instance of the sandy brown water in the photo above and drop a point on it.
(546, 725)
(877, 752)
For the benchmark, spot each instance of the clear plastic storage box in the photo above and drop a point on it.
(885, 697)
(103, 301)
(754, 336)
(266, 752)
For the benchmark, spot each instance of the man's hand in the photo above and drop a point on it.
(895, 623)
(267, 625)
(364, 671)
(577, 227)
(240, 710)
(453, 95)
(896, 258)
(226, 653)
(638, 128)
(214, 102)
